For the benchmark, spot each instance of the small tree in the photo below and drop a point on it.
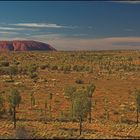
(32, 72)
(137, 104)
(69, 93)
(90, 90)
(12, 71)
(2, 109)
(45, 110)
(106, 111)
(81, 107)
(32, 100)
(50, 106)
(14, 100)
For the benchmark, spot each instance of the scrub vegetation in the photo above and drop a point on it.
(70, 94)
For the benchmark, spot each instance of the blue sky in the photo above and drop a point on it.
(73, 25)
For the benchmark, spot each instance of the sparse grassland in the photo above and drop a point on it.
(44, 111)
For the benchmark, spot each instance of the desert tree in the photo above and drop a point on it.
(45, 110)
(32, 72)
(32, 68)
(50, 96)
(106, 106)
(81, 106)
(32, 99)
(69, 94)
(137, 94)
(14, 100)
(2, 109)
(12, 71)
(90, 90)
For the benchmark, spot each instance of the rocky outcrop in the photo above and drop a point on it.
(26, 45)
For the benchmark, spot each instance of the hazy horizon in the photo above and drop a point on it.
(73, 25)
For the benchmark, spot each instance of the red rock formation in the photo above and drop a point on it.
(26, 45)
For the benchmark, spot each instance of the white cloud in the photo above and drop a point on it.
(8, 32)
(48, 36)
(42, 25)
(2, 28)
(10, 28)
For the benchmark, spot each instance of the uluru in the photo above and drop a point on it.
(24, 45)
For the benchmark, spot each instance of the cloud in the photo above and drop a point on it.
(128, 2)
(129, 30)
(10, 28)
(2, 28)
(62, 42)
(12, 38)
(79, 35)
(42, 25)
(9, 32)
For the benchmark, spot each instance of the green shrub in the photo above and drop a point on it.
(16, 62)
(9, 80)
(4, 71)
(32, 68)
(33, 75)
(2, 109)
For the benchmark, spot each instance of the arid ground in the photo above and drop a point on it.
(116, 75)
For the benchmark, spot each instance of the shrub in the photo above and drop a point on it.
(43, 67)
(33, 75)
(75, 68)
(14, 100)
(22, 70)
(79, 81)
(67, 68)
(61, 68)
(4, 70)
(32, 68)
(5, 63)
(55, 67)
(16, 62)
(13, 70)
(9, 80)
(23, 133)
(2, 109)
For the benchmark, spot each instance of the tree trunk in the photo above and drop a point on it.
(72, 111)
(31, 102)
(137, 117)
(90, 111)
(107, 115)
(50, 108)
(80, 124)
(14, 116)
(45, 115)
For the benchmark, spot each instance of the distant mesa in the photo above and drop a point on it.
(24, 45)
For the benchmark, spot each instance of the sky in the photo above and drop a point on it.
(73, 25)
